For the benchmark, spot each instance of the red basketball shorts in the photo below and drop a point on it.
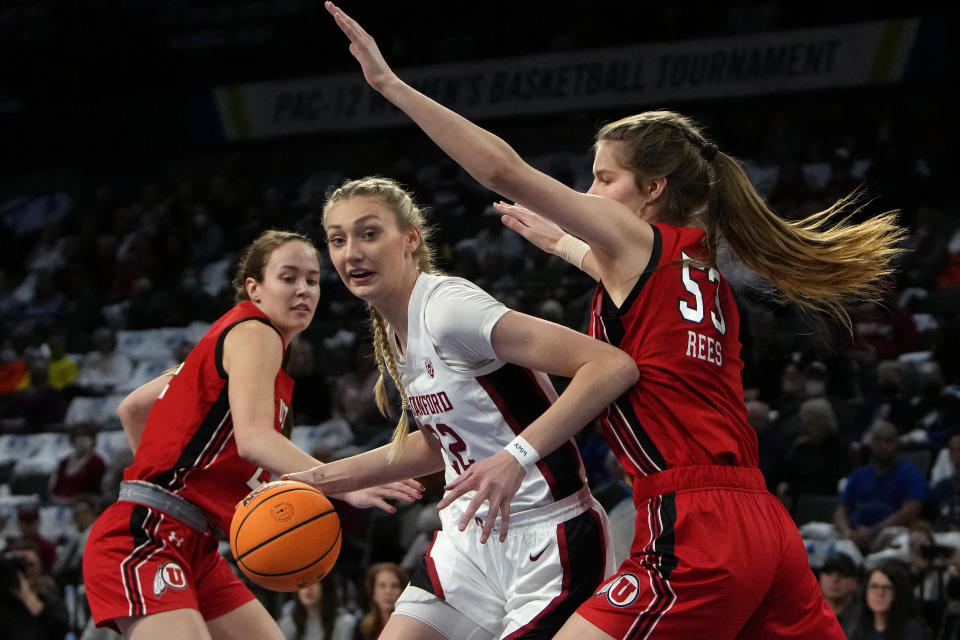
(139, 561)
(714, 556)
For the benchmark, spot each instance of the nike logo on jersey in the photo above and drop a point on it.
(535, 557)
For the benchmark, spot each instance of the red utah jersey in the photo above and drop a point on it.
(680, 324)
(188, 446)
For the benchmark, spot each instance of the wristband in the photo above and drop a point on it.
(572, 249)
(523, 451)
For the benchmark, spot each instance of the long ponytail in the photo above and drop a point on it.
(819, 263)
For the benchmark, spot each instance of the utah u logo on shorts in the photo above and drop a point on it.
(169, 574)
(622, 590)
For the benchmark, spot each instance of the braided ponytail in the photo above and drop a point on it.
(385, 363)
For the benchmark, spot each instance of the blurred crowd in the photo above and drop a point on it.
(105, 285)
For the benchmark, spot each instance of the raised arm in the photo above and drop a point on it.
(599, 374)
(604, 224)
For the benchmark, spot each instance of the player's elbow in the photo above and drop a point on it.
(248, 446)
(625, 370)
(502, 172)
(132, 411)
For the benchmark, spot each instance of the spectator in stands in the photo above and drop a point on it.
(427, 522)
(927, 560)
(62, 370)
(354, 400)
(948, 626)
(80, 471)
(316, 614)
(931, 410)
(39, 404)
(839, 581)
(495, 242)
(771, 444)
(383, 583)
(41, 581)
(887, 402)
(45, 307)
(882, 333)
(69, 566)
(14, 374)
(105, 367)
(943, 502)
(24, 613)
(817, 460)
(888, 608)
(311, 399)
(28, 524)
(884, 493)
(763, 356)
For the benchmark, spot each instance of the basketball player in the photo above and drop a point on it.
(151, 564)
(714, 555)
(471, 372)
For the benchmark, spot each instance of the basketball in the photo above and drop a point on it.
(285, 535)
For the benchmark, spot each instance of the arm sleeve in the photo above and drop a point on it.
(460, 317)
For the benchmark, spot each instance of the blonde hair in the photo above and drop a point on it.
(407, 215)
(819, 263)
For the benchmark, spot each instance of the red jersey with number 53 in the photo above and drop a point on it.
(680, 324)
(188, 445)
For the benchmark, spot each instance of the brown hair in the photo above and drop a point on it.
(818, 263)
(373, 621)
(255, 258)
(407, 215)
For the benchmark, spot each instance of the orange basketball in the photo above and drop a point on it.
(285, 535)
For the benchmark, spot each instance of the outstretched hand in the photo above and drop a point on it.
(363, 47)
(406, 490)
(496, 480)
(532, 226)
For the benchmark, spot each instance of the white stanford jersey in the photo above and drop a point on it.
(476, 413)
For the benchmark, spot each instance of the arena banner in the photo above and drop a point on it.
(648, 75)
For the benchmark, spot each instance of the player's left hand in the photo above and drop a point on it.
(405, 490)
(496, 480)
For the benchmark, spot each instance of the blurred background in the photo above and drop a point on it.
(145, 142)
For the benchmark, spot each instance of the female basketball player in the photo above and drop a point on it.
(714, 555)
(151, 564)
(471, 372)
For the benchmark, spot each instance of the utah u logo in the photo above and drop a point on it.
(622, 590)
(169, 574)
(428, 365)
(282, 415)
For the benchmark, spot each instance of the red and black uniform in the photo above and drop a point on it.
(140, 560)
(714, 554)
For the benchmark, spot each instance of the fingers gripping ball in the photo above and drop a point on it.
(285, 535)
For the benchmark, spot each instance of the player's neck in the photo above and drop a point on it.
(395, 310)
